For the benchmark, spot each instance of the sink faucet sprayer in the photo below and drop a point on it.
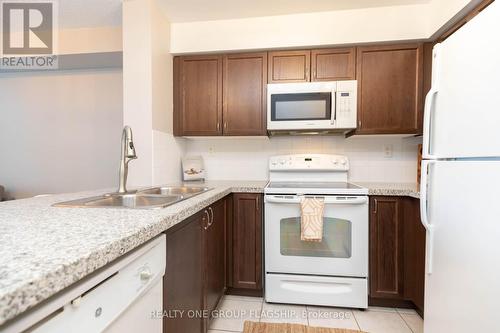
(128, 154)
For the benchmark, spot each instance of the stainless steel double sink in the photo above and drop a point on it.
(150, 198)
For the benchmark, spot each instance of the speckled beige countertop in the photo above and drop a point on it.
(44, 249)
(392, 189)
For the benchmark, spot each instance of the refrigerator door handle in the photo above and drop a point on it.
(429, 103)
(424, 215)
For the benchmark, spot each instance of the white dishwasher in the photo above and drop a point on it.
(126, 296)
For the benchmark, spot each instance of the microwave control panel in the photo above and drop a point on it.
(346, 104)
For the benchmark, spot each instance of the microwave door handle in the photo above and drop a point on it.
(334, 107)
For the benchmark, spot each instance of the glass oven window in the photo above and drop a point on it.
(336, 243)
(306, 106)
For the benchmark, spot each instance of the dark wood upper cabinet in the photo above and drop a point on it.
(244, 97)
(198, 95)
(333, 64)
(390, 89)
(386, 248)
(247, 241)
(289, 66)
(226, 94)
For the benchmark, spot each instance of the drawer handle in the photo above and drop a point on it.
(206, 220)
(145, 274)
(211, 216)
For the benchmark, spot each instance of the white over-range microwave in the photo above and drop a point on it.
(312, 107)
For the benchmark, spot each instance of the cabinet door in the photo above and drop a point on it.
(333, 64)
(244, 98)
(183, 281)
(386, 248)
(247, 241)
(289, 66)
(414, 254)
(198, 95)
(215, 260)
(389, 89)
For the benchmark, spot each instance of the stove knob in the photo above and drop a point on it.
(335, 162)
(344, 162)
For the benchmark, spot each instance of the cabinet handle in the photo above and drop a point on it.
(375, 206)
(211, 219)
(257, 203)
(218, 126)
(225, 125)
(207, 220)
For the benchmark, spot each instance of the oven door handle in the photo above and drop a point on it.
(342, 200)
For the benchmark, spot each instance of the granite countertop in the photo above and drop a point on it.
(392, 189)
(45, 249)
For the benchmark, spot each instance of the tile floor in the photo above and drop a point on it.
(234, 310)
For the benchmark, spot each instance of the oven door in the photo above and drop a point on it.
(343, 250)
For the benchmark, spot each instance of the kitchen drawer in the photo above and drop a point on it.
(317, 290)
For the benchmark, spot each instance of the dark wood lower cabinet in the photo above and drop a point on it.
(196, 270)
(386, 248)
(219, 247)
(215, 266)
(397, 253)
(183, 281)
(246, 245)
(414, 258)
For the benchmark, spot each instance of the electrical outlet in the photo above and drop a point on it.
(388, 151)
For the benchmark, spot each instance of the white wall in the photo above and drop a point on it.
(167, 150)
(148, 91)
(324, 28)
(441, 12)
(246, 159)
(315, 29)
(59, 131)
(89, 40)
(137, 82)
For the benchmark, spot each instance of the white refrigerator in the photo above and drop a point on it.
(460, 185)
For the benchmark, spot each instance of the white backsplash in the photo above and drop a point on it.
(247, 158)
(167, 153)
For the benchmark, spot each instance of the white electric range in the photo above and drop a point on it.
(332, 272)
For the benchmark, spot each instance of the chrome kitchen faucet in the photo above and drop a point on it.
(128, 154)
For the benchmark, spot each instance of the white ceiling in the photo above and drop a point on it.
(89, 13)
(96, 13)
(205, 10)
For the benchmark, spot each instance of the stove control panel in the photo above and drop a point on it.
(312, 162)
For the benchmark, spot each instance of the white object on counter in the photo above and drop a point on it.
(124, 297)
